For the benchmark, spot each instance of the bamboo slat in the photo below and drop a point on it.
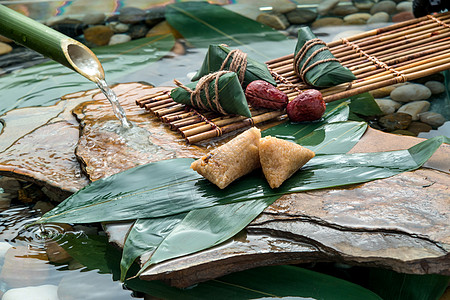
(378, 58)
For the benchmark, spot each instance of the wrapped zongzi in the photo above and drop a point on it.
(220, 92)
(237, 61)
(315, 64)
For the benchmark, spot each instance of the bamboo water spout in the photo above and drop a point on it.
(50, 43)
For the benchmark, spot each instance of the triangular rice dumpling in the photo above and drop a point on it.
(232, 160)
(325, 74)
(280, 159)
(216, 55)
(231, 97)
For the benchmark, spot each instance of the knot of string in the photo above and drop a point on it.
(238, 63)
(210, 103)
(301, 72)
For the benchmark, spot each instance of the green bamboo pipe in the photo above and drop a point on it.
(50, 43)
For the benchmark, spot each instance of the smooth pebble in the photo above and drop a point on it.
(432, 118)
(379, 17)
(388, 106)
(435, 87)
(414, 109)
(410, 92)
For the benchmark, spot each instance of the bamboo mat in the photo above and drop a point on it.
(381, 57)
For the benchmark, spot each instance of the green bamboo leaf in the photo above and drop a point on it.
(144, 237)
(207, 227)
(290, 131)
(131, 195)
(362, 104)
(221, 26)
(333, 138)
(43, 84)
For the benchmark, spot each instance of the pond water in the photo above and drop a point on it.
(69, 262)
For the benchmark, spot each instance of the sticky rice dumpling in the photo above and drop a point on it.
(232, 160)
(315, 64)
(280, 159)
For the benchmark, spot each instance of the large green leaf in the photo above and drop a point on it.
(43, 84)
(206, 227)
(144, 237)
(138, 193)
(221, 26)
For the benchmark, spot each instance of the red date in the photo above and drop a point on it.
(307, 106)
(260, 93)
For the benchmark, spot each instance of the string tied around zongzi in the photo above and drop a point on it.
(301, 72)
(211, 103)
(238, 63)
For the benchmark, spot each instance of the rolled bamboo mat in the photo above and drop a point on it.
(381, 57)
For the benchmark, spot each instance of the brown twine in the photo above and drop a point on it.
(442, 23)
(205, 119)
(400, 77)
(238, 63)
(302, 53)
(203, 85)
(285, 82)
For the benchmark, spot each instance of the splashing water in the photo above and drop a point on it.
(112, 98)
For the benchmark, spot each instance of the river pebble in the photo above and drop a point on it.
(435, 87)
(42, 292)
(155, 15)
(131, 15)
(343, 10)
(118, 27)
(326, 6)
(363, 4)
(276, 21)
(414, 108)
(395, 121)
(328, 21)
(357, 18)
(282, 6)
(98, 35)
(94, 18)
(410, 92)
(5, 48)
(432, 118)
(301, 16)
(402, 16)
(405, 6)
(387, 6)
(137, 31)
(379, 17)
(418, 127)
(388, 106)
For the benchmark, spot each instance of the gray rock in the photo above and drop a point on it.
(404, 6)
(155, 15)
(119, 39)
(435, 87)
(388, 106)
(387, 6)
(42, 292)
(301, 16)
(137, 31)
(94, 18)
(363, 4)
(357, 18)
(131, 15)
(343, 10)
(379, 17)
(275, 21)
(326, 6)
(283, 7)
(395, 121)
(432, 118)
(414, 109)
(410, 92)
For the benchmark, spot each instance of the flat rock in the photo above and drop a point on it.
(379, 17)
(325, 22)
(435, 87)
(98, 35)
(373, 224)
(131, 15)
(418, 127)
(363, 4)
(344, 10)
(395, 121)
(432, 118)
(357, 18)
